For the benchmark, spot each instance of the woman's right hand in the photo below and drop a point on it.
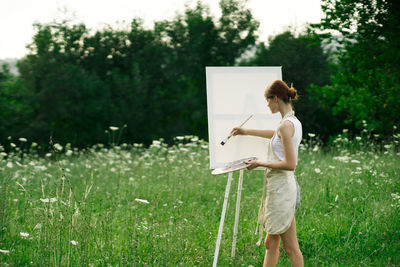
(238, 131)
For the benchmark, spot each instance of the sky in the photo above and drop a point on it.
(18, 16)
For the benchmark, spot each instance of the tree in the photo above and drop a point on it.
(66, 100)
(367, 84)
(14, 104)
(90, 82)
(196, 40)
(153, 80)
(304, 63)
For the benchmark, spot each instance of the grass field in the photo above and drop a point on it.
(160, 206)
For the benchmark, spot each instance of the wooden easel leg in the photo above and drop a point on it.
(221, 223)
(235, 228)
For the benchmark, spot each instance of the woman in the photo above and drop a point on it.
(283, 193)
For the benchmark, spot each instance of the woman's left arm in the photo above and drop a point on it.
(286, 131)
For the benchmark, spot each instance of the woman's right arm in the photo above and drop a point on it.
(253, 132)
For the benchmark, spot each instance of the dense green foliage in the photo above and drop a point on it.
(75, 83)
(13, 103)
(79, 83)
(367, 83)
(159, 206)
(304, 63)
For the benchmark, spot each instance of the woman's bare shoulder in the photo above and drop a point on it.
(286, 124)
(286, 127)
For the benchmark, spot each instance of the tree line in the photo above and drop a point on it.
(74, 83)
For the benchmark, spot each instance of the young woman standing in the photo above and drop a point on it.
(282, 194)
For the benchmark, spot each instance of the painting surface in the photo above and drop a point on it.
(233, 94)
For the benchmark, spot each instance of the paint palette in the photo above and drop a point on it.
(233, 166)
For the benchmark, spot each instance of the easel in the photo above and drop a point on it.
(221, 224)
(243, 88)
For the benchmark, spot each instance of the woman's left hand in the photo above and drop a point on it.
(253, 164)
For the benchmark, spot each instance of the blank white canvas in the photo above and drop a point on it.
(233, 94)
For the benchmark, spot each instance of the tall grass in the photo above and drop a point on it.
(128, 205)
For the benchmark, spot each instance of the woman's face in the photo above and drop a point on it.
(272, 101)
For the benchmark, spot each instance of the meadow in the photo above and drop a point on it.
(130, 205)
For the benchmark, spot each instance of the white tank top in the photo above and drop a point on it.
(276, 141)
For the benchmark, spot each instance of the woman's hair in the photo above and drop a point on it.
(281, 90)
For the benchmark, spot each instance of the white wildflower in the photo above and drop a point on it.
(180, 137)
(10, 164)
(316, 148)
(40, 168)
(142, 200)
(73, 242)
(342, 158)
(69, 152)
(317, 170)
(355, 161)
(23, 234)
(5, 251)
(13, 145)
(47, 200)
(358, 138)
(332, 167)
(109, 57)
(113, 128)
(395, 196)
(336, 198)
(21, 139)
(48, 155)
(345, 130)
(58, 147)
(311, 135)
(156, 143)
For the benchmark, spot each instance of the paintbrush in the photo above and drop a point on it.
(232, 133)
